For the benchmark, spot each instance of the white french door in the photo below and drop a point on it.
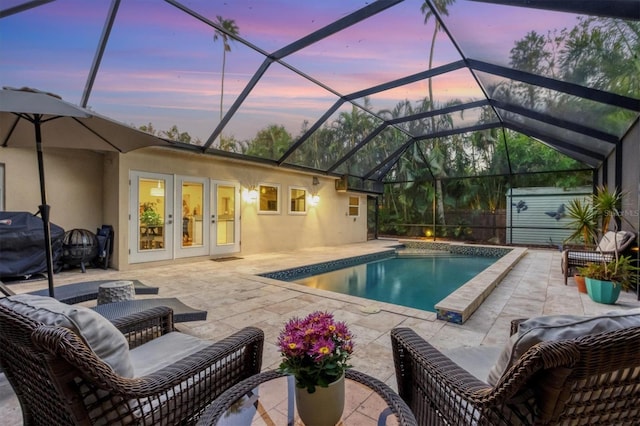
(224, 218)
(181, 216)
(192, 210)
(151, 216)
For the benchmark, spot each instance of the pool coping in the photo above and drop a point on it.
(463, 302)
(455, 308)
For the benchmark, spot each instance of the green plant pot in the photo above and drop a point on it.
(602, 291)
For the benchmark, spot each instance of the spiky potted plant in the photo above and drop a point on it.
(583, 219)
(606, 279)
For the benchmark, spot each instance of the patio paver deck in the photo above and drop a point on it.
(235, 297)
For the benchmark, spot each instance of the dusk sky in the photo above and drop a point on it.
(162, 66)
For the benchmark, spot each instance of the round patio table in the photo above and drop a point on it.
(268, 398)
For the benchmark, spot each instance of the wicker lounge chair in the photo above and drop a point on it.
(611, 242)
(181, 312)
(594, 379)
(81, 292)
(88, 290)
(66, 375)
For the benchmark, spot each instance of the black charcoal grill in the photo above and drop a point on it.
(79, 247)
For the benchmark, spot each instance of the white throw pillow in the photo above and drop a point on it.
(554, 328)
(612, 241)
(108, 343)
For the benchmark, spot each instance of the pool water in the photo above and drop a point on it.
(411, 281)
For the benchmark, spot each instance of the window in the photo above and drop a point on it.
(269, 199)
(354, 206)
(297, 200)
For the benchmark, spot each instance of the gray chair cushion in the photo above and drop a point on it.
(476, 360)
(97, 332)
(163, 351)
(558, 327)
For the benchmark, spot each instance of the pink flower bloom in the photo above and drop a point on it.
(315, 349)
(323, 348)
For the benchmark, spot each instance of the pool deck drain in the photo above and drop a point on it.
(370, 309)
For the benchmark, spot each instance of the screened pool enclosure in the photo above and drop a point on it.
(437, 109)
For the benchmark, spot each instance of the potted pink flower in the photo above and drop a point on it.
(315, 349)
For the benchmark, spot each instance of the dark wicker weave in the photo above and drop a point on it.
(587, 381)
(88, 290)
(181, 312)
(222, 404)
(60, 381)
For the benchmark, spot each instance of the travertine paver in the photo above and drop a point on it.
(235, 297)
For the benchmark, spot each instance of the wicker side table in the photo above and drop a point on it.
(116, 291)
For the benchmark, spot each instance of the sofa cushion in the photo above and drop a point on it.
(106, 341)
(558, 327)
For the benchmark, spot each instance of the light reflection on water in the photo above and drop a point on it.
(415, 282)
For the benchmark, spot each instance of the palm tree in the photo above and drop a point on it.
(230, 28)
(441, 7)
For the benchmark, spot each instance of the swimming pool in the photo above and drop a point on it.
(457, 307)
(414, 281)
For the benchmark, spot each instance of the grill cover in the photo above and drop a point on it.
(22, 245)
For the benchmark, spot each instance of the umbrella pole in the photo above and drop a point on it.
(44, 207)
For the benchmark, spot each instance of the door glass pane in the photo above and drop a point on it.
(226, 215)
(192, 202)
(151, 199)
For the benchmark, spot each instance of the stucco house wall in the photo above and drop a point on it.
(630, 185)
(87, 189)
(73, 182)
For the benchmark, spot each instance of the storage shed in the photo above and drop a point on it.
(537, 216)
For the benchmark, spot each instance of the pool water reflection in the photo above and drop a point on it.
(412, 281)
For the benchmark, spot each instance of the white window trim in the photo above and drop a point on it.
(278, 201)
(306, 201)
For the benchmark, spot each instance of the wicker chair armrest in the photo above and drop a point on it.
(229, 360)
(181, 390)
(141, 327)
(436, 389)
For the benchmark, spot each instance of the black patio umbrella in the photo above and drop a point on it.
(59, 124)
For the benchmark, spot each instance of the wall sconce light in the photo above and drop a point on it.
(314, 200)
(250, 195)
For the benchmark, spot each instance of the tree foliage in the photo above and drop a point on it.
(427, 176)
